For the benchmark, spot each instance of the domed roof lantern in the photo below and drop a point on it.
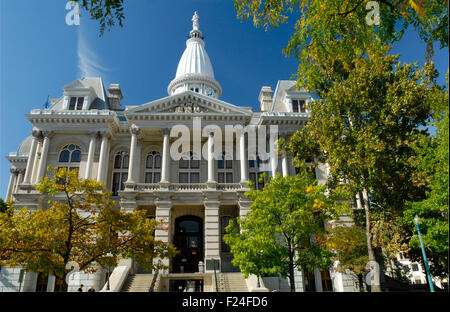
(195, 71)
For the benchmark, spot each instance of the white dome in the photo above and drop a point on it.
(195, 60)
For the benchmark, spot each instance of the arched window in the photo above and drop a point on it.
(225, 168)
(189, 168)
(153, 167)
(70, 157)
(120, 171)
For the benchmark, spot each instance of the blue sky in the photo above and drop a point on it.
(40, 53)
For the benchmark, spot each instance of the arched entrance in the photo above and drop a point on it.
(188, 239)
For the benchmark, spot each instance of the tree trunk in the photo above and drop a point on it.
(291, 272)
(374, 268)
(360, 282)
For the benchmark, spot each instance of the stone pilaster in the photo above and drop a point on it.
(103, 160)
(212, 231)
(90, 159)
(165, 168)
(31, 156)
(163, 211)
(44, 153)
(134, 157)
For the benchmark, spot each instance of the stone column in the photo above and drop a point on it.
(165, 166)
(132, 168)
(12, 182)
(19, 180)
(212, 232)
(103, 160)
(318, 280)
(273, 166)
(163, 211)
(90, 159)
(284, 165)
(36, 162)
(244, 170)
(44, 153)
(32, 154)
(211, 173)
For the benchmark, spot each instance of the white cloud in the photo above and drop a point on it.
(88, 61)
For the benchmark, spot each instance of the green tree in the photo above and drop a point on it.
(366, 128)
(82, 225)
(277, 234)
(348, 243)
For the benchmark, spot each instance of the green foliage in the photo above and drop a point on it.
(331, 35)
(106, 12)
(349, 245)
(433, 162)
(81, 224)
(275, 236)
(3, 206)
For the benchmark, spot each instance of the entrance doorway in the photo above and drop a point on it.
(186, 285)
(188, 240)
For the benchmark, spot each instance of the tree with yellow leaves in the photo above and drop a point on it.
(82, 225)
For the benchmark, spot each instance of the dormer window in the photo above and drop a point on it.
(76, 103)
(298, 106)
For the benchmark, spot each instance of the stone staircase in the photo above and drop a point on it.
(231, 282)
(138, 283)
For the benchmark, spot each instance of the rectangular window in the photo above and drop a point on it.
(148, 177)
(76, 103)
(195, 164)
(116, 183)
(80, 102)
(221, 177)
(184, 163)
(124, 179)
(229, 177)
(183, 177)
(295, 106)
(220, 164)
(229, 164)
(252, 177)
(156, 177)
(302, 106)
(195, 177)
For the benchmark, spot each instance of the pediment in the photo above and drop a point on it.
(189, 103)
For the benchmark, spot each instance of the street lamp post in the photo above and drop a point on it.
(427, 269)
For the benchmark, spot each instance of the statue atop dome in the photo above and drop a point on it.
(195, 25)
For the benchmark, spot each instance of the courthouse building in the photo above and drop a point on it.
(128, 149)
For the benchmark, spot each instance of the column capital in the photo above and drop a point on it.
(14, 170)
(105, 133)
(165, 131)
(35, 132)
(135, 129)
(93, 134)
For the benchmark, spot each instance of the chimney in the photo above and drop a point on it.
(115, 96)
(265, 98)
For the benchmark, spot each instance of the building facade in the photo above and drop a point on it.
(131, 150)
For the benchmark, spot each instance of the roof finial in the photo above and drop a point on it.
(195, 21)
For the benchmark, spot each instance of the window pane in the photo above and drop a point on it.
(64, 156)
(158, 161)
(221, 177)
(80, 103)
(252, 177)
(149, 163)
(117, 161)
(156, 177)
(229, 177)
(116, 183)
(295, 106)
(148, 177)
(125, 161)
(220, 164)
(302, 106)
(229, 164)
(183, 177)
(251, 163)
(189, 226)
(124, 179)
(195, 164)
(183, 163)
(195, 177)
(260, 183)
(76, 156)
(72, 103)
